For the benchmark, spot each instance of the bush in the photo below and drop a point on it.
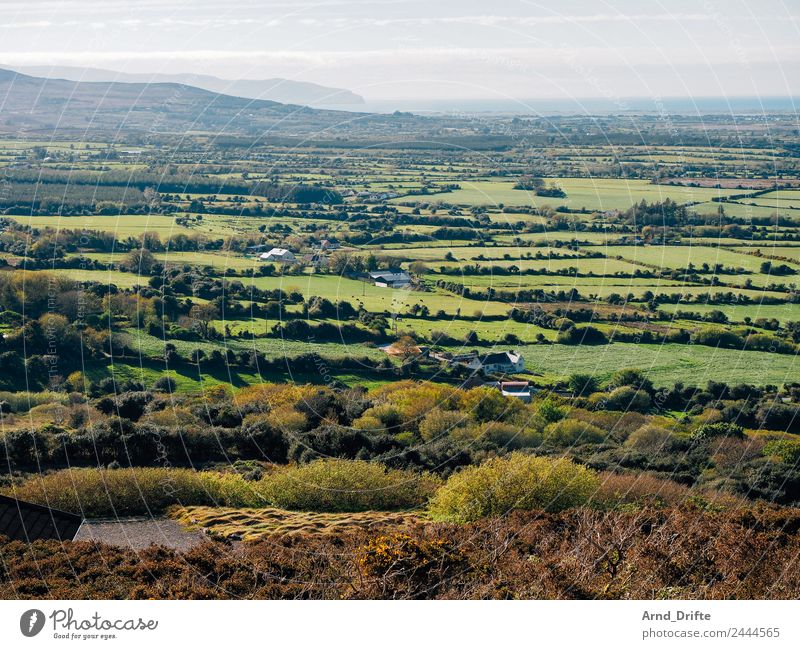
(582, 384)
(631, 377)
(515, 482)
(787, 450)
(346, 486)
(24, 401)
(130, 492)
(721, 429)
(550, 412)
(489, 404)
(617, 490)
(765, 343)
(627, 398)
(717, 337)
(569, 432)
(581, 336)
(650, 439)
(499, 435)
(441, 422)
(165, 384)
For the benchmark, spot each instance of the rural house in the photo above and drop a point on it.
(391, 278)
(503, 362)
(328, 245)
(518, 389)
(280, 255)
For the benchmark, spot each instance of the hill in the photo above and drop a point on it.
(35, 105)
(285, 91)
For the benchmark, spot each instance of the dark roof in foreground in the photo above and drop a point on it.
(22, 521)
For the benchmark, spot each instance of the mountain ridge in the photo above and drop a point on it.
(36, 104)
(284, 91)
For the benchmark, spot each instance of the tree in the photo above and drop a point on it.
(140, 260)
(582, 384)
(530, 183)
(418, 268)
(632, 377)
(406, 347)
(202, 315)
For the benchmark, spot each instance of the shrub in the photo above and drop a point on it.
(549, 411)
(24, 401)
(515, 482)
(165, 384)
(581, 336)
(650, 439)
(763, 342)
(788, 450)
(128, 492)
(619, 424)
(407, 566)
(489, 404)
(581, 384)
(499, 434)
(721, 429)
(441, 422)
(616, 490)
(346, 486)
(369, 423)
(627, 398)
(569, 432)
(632, 377)
(717, 337)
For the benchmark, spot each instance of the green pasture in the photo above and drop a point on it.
(664, 364)
(374, 298)
(590, 193)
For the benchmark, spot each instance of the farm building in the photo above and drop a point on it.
(391, 278)
(328, 245)
(502, 362)
(518, 389)
(281, 255)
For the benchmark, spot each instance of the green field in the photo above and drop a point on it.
(664, 364)
(590, 193)
(375, 298)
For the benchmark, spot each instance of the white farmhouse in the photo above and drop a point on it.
(503, 362)
(280, 255)
(391, 278)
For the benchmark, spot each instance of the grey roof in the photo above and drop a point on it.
(390, 275)
(497, 357)
(22, 521)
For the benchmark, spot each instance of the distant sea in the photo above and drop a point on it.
(586, 106)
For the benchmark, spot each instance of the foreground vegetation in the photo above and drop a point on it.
(675, 553)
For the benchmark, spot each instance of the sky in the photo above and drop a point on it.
(433, 49)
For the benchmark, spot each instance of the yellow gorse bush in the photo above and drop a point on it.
(346, 485)
(516, 481)
(324, 485)
(138, 491)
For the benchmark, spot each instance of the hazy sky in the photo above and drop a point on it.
(411, 49)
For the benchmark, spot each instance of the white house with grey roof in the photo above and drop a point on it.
(391, 278)
(280, 255)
